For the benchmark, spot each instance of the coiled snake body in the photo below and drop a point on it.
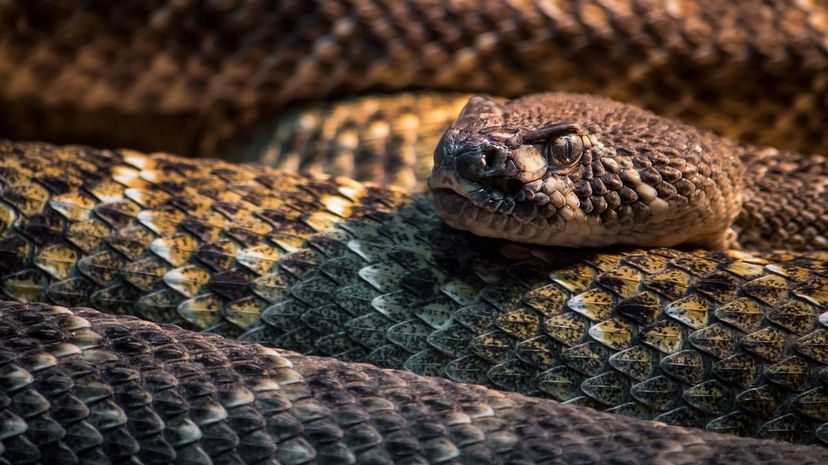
(730, 341)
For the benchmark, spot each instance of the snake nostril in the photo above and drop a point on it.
(490, 157)
(471, 165)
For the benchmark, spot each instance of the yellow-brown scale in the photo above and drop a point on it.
(731, 342)
(386, 139)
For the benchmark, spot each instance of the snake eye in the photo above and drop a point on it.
(564, 151)
(563, 143)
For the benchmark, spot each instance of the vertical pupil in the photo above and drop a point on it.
(562, 150)
(568, 152)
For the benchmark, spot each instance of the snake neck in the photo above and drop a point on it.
(785, 201)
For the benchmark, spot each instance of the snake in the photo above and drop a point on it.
(732, 341)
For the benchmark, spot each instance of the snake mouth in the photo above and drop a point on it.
(452, 202)
(449, 201)
(490, 217)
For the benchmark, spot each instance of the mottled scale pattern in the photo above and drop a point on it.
(731, 342)
(80, 386)
(183, 75)
(386, 139)
(786, 200)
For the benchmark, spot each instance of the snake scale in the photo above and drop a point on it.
(729, 341)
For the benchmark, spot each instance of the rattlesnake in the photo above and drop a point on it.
(570, 170)
(363, 273)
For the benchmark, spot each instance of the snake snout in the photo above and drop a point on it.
(500, 168)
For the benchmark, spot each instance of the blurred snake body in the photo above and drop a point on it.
(731, 341)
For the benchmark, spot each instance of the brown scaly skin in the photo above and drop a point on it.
(576, 170)
(752, 70)
(729, 342)
(386, 139)
(785, 204)
(79, 386)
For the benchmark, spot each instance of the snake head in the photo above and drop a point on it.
(573, 170)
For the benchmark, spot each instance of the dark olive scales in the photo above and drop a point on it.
(79, 386)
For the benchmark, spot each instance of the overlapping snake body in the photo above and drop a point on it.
(733, 342)
(81, 386)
